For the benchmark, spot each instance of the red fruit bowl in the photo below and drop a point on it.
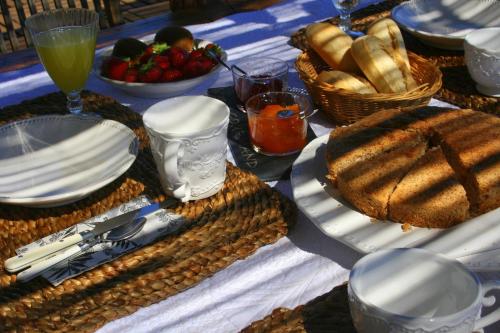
(157, 89)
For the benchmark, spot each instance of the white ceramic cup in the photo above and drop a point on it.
(482, 57)
(417, 291)
(189, 143)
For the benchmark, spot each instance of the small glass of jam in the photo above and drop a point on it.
(262, 75)
(277, 122)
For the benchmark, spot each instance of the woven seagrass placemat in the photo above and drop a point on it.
(326, 313)
(458, 87)
(245, 215)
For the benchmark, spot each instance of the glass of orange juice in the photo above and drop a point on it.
(277, 122)
(65, 41)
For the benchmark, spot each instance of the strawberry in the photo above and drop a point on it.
(214, 47)
(162, 61)
(177, 57)
(151, 50)
(171, 75)
(131, 75)
(196, 54)
(206, 65)
(192, 68)
(115, 68)
(150, 72)
(146, 54)
(151, 75)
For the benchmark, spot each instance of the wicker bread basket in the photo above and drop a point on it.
(345, 107)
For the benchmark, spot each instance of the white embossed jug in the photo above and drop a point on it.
(189, 143)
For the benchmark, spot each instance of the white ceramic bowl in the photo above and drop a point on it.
(417, 291)
(482, 57)
(155, 90)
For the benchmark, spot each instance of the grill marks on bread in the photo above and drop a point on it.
(385, 167)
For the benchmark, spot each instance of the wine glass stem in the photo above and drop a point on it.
(345, 21)
(75, 105)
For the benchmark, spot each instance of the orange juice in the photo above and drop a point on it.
(67, 54)
(275, 135)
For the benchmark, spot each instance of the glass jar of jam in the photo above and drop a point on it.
(262, 75)
(277, 122)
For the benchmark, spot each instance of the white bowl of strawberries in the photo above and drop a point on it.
(170, 65)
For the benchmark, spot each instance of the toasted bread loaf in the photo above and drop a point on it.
(369, 185)
(376, 62)
(429, 195)
(430, 117)
(333, 45)
(458, 178)
(472, 145)
(388, 32)
(342, 80)
(348, 147)
(390, 119)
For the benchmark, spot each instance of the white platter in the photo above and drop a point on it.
(324, 207)
(53, 160)
(445, 23)
(155, 90)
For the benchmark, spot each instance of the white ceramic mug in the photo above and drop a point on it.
(482, 57)
(417, 291)
(189, 143)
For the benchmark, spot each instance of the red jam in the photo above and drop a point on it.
(256, 84)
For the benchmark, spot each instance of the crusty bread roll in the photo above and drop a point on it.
(376, 62)
(342, 80)
(333, 45)
(388, 32)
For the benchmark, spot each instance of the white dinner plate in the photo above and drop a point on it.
(159, 89)
(445, 23)
(53, 160)
(323, 205)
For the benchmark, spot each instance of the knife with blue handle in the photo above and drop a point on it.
(32, 257)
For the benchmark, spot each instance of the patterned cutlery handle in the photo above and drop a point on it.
(42, 266)
(24, 260)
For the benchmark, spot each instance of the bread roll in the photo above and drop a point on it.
(346, 81)
(333, 45)
(376, 62)
(388, 32)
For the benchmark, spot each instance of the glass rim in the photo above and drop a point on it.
(305, 109)
(237, 73)
(46, 13)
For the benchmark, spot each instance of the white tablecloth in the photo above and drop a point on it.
(297, 268)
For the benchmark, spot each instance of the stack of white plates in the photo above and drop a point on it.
(54, 160)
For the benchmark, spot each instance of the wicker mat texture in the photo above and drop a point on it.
(245, 215)
(326, 313)
(458, 87)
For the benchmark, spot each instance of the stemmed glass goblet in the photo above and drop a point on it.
(65, 41)
(345, 7)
